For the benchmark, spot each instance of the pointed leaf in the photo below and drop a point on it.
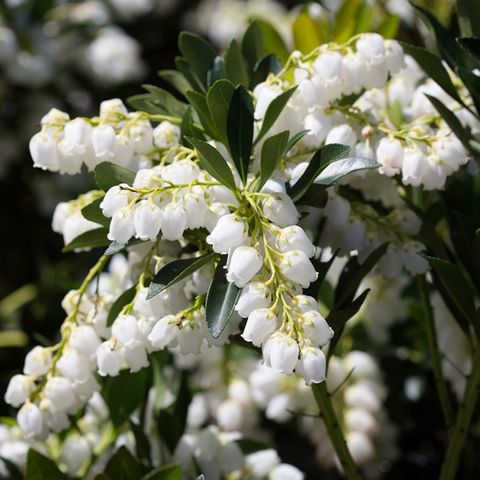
(335, 170)
(221, 299)
(176, 271)
(322, 157)
(252, 46)
(170, 104)
(274, 109)
(235, 67)
(93, 212)
(40, 467)
(306, 33)
(90, 239)
(125, 298)
(468, 18)
(123, 466)
(213, 162)
(199, 103)
(273, 150)
(272, 40)
(189, 129)
(219, 97)
(268, 64)
(240, 130)
(108, 174)
(165, 472)
(176, 80)
(184, 68)
(471, 45)
(116, 247)
(217, 72)
(295, 139)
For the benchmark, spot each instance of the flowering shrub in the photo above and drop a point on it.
(243, 222)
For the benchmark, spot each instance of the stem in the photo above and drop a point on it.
(435, 354)
(335, 434)
(465, 412)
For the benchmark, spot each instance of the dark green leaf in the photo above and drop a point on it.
(176, 79)
(272, 41)
(123, 466)
(176, 271)
(142, 443)
(337, 169)
(13, 471)
(90, 239)
(315, 196)
(165, 472)
(184, 67)
(221, 298)
(240, 130)
(170, 104)
(455, 284)
(471, 45)
(116, 247)
(219, 97)
(268, 64)
(273, 150)
(144, 102)
(213, 162)
(217, 72)
(40, 467)
(445, 42)
(125, 298)
(452, 121)
(199, 103)
(124, 393)
(321, 268)
(108, 175)
(250, 445)
(364, 20)
(235, 67)
(389, 27)
(93, 212)
(198, 53)
(468, 18)
(189, 129)
(472, 82)
(274, 109)
(324, 156)
(295, 139)
(252, 46)
(432, 66)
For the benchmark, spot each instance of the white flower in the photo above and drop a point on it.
(141, 135)
(148, 220)
(30, 420)
(412, 260)
(189, 340)
(125, 330)
(342, 134)
(59, 391)
(166, 135)
(284, 471)
(196, 209)
(115, 198)
(360, 420)
(103, 142)
(109, 360)
(280, 352)
(113, 109)
(264, 93)
(77, 143)
(84, 340)
(354, 70)
(135, 357)
(294, 238)
(75, 452)
(44, 152)
(230, 232)
(254, 295)
(18, 390)
(371, 46)
(38, 361)
(164, 331)
(362, 395)
(360, 447)
(390, 155)
(181, 172)
(230, 415)
(337, 210)
(280, 209)
(243, 264)
(296, 266)
(74, 366)
(122, 226)
(316, 327)
(261, 463)
(312, 365)
(394, 56)
(260, 324)
(174, 221)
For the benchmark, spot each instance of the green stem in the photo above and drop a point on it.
(462, 424)
(335, 434)
(435, 355)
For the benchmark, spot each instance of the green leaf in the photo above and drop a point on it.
(125, 298)
(189, 129)
(213, 162)
(472, 82)
(389, 27)
(199, 103)
(321, 268)
(176, 80)
(468, 18)
(265, 66)
(364, 19)
(452, 121)
(273, 150)
(335, 170)
(108, 175)
(306, 33)
(123, 466)
(221, 298)
(455, 284)
(90, 239)
(165, 472)
(198, 53)
(184, 67)
(273, 111)
(240, 130)
(219, 97)
(13, 471)
(235, 67)
(395, 113)
(169, 104)
(471, 46)
(217, 72)
(116, 247)
(142, 443)
(315, 196)
(272, 40)
(433, 67)
(322, 157)
(124, 393)
(295, 139)
(40, 467)
(93, 212)
(250, 445)
(176, 271)
(445, 42)
(345, 20)
(252, 46)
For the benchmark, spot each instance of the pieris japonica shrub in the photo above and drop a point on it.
(240, 223)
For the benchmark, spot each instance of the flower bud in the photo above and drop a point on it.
(18, 390)
(280, 352)
(30, 421)
(254, 295)
(164, 331)
(295, 238)
(230, 232)
(174, 221)
(38, 361)
(243, 264)
(43, 150)
(122, 226)
(59, 391)
(84, 340)
(296, 266)
(280, 209)
(390, 155)
(109, 360)
(166, 135)
(260, 324)
(312, 365)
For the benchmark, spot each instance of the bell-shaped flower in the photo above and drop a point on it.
(294, 238)
(312, 365)
(243, 264)
(229, 232)
(254, 295)
(261, 323)
(280, 352)
(297, 267)
(148, 220)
